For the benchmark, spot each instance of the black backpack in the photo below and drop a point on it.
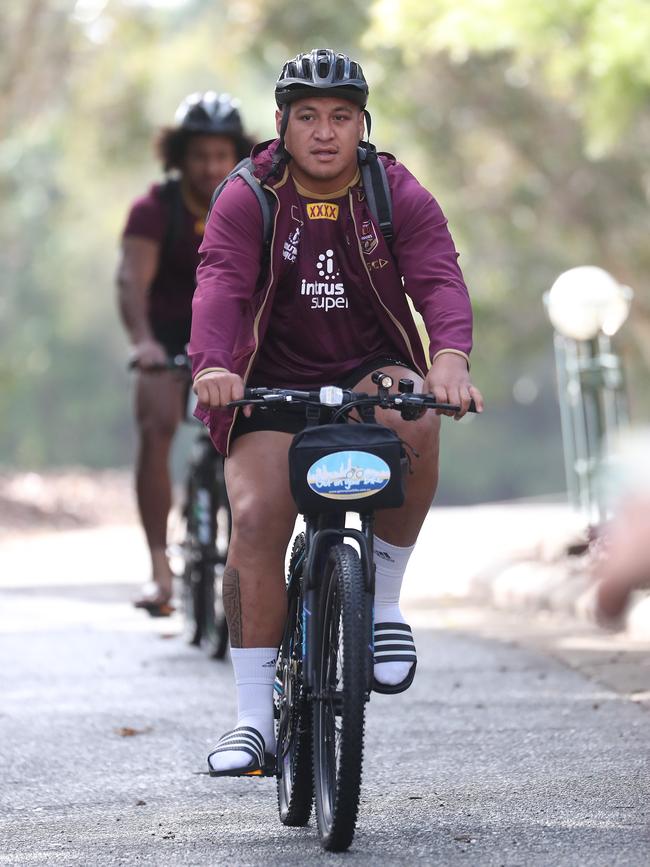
(373, 176)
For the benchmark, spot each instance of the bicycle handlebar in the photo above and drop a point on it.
(175, 362)
(344, 400)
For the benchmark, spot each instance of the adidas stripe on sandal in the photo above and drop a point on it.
(394, 643)
(244, 739)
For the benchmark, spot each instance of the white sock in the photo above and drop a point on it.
(390, 562)
(254, 675)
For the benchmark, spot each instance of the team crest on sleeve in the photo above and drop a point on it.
(369, 239)
(322, 211)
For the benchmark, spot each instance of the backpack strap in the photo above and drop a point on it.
(243, 170)
(170, 193)
(375, 184)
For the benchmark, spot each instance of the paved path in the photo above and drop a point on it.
(498, 755)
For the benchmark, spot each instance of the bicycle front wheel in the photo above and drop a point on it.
(340, 699)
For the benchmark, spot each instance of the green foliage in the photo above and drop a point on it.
(592, 54)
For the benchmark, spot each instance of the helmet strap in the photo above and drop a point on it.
(286, 111)
(281, 155)
(366, 115)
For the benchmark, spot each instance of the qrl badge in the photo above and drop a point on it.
(369, 240)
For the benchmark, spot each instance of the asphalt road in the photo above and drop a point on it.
(499, 754)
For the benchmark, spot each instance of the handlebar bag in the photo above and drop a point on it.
(347, 468)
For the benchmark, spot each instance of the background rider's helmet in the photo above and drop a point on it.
(211, 113)
(322, 72)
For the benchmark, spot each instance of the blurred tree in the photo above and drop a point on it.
(592, 55)
(276, 30)
(34, 56)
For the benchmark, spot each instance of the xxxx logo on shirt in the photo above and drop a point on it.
(322, 211)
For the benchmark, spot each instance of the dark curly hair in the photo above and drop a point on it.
(171, 145)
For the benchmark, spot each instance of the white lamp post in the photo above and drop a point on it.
(585, 301)
(587, 306)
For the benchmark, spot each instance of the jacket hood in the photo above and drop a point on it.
(262, 156)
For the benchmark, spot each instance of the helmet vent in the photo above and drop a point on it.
(323, 68)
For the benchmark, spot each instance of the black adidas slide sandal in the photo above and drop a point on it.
(244, 739)
(394, 643)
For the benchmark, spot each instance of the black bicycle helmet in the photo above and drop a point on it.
(322, 72)
(210, 112)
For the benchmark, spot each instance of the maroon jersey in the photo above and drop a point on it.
(322, 301)
(170, 297)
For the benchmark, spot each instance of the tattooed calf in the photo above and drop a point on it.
(232, 605)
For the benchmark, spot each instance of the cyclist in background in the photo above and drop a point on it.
(329, 308)
(156, 282)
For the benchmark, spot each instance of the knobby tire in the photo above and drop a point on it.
(294, 785)
(339, 707)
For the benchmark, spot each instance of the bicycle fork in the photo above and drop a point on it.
(319, 543)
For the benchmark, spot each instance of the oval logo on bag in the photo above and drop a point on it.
(348, 475)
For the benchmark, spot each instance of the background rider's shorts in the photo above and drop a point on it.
(174, 335)
(291, 419)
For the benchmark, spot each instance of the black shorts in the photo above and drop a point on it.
(291, 419)
(173, 335)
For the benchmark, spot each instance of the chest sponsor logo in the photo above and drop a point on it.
(369, 240)
(326, 293)
(290, 249)
(322, 211)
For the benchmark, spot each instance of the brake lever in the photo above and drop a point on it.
(413, 404)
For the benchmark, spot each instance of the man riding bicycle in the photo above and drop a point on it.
(156, 280)
(325, 305)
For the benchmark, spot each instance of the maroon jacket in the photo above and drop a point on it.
(233, 300)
